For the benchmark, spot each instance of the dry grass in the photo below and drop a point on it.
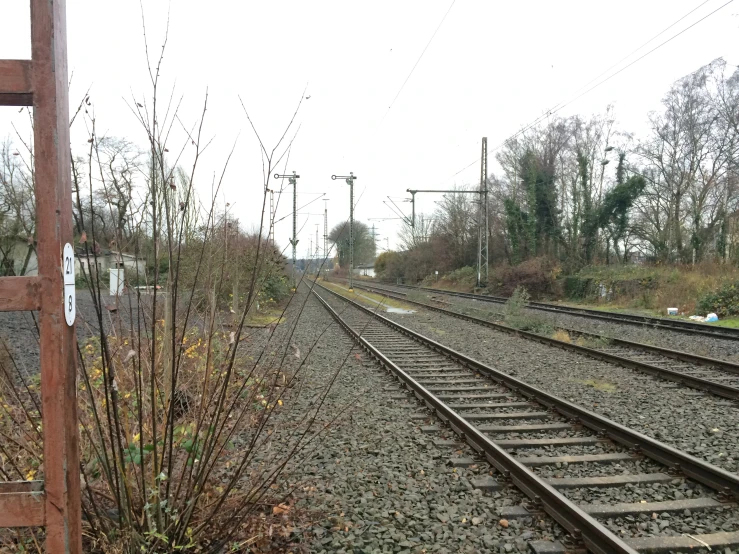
(561, 335)
(657, 287)
(371, 299)
(600, 385)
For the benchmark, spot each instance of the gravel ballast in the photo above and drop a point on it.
(698, 423)
(656, 521)
(381, 484)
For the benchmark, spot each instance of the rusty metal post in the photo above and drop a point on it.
(43, 83)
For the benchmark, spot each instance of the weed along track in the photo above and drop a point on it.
(612, 488)
(719, 377)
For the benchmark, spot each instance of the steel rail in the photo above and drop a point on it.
(713, 477)
(726, 365)
(699, 383)
(630, 319)
(594, 535)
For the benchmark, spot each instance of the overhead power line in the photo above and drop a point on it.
(561, 105)
(419, 58)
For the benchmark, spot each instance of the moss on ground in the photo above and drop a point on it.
(600, 385)
(366, 298)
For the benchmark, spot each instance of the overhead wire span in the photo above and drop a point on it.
(561, 105)
(418, 60)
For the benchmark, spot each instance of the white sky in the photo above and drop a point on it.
(492, 68)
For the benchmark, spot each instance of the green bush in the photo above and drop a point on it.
(516, 317)
(517, 302)
(462, 275)
(276, 287)
(578, 288)
(723, 302)
(530, 323)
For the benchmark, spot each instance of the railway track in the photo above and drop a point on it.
(719, 377)
(630, 319)
(556, 452)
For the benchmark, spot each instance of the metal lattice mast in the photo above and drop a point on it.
(293, 180)
(481, 218)
(325, 229)
(413, 209)
(484, 227)
(350, 181)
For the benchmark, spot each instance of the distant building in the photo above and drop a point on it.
(368, 270)
(108, 259)
(18, 257)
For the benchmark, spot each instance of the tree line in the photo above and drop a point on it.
(581, 190)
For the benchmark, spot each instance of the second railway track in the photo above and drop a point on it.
(719, 377)
(616, 317)
(642, 495)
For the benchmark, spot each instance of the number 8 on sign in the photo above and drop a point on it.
(69, 292)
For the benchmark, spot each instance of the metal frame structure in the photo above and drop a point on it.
(42, 82)
(483, 225)
(481, 220)
(350, 181)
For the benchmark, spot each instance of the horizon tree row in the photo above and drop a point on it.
(580, 190)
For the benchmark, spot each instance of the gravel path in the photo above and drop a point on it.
(698, 423)
(379, 482)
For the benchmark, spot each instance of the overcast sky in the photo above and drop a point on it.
(491, 68)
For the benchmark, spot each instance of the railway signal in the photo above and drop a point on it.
(293, 180)
(350, 181)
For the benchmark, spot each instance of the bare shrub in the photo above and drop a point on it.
(177, 403)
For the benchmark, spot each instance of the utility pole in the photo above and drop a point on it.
(317, 255)
(293, 180)
(482, 243)
(350, 181)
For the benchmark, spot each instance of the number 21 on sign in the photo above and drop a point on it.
(70, 307)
